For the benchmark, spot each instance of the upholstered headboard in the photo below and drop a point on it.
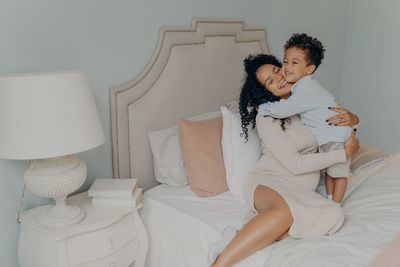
(192, 71)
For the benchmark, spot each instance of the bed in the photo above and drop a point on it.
(194, 71)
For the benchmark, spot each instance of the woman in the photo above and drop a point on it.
(282, 187)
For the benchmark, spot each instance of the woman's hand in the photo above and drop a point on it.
(351, 145)
(343, 118)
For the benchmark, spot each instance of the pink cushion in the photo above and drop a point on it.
(202, 155)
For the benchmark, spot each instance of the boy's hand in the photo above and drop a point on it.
(343, 118)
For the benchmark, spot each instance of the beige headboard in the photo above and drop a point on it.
(192, 71)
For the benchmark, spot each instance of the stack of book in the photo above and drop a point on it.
(116, 192)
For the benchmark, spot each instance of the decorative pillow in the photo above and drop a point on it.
(165, 147)
(367, 162)
(202, 155)
(366, 155)
(240, 156)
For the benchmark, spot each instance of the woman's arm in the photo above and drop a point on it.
(343, 118)
(287, 154)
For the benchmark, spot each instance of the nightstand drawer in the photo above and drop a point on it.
(122, 258)
(102, 242)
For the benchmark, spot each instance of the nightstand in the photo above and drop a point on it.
(109, 236)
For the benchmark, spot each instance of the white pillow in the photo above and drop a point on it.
(168, 163)
(233, 106)
(165, 147)
(240, 156)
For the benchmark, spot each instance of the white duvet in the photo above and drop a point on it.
(181, 226)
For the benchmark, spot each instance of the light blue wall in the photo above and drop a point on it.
(113, 40)
(370, 85)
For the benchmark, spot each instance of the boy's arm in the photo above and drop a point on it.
(284, 108)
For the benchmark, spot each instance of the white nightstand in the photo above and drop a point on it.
(109, 236)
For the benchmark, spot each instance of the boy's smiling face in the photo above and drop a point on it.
(295, 65)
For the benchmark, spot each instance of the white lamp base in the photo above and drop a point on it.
(57, 178)
(62, 216)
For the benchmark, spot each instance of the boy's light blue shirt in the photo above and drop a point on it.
(311, 101)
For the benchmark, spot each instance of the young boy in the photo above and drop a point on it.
(303, 55)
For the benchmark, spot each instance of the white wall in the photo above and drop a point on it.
(113, 40)
(371, 68)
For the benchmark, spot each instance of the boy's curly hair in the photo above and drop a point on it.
(311, 46)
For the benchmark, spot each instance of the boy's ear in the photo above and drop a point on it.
(310, 69)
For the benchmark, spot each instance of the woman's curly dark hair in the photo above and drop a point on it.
(311, 46)
(254, 93)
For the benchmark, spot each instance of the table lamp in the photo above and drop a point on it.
(47, 118)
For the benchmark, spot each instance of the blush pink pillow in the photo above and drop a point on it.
(202, 156)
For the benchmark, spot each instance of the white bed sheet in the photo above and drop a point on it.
(182, 226)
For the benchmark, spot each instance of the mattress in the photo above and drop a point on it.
(181, 226)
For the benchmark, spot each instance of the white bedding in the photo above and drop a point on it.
(181, 226)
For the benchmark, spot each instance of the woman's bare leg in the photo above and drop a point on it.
(283, 236)
(273, 221)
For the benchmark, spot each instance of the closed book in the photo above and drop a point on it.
(118, 188)
(116, 201)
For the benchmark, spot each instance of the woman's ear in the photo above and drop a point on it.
(310, 69)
